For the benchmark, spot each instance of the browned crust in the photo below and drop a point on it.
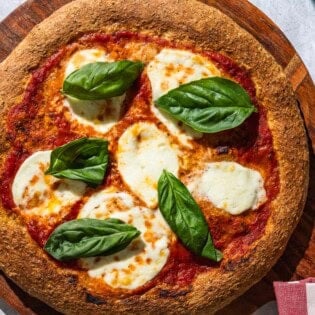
(183, 20)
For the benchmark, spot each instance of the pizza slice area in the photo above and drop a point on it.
(232, 175)
(143, 259)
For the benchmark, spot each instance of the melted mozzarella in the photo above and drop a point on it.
(84, 57)
(42, 194)
(143, 259)
(168, 70)
(101, 115)
(106, 201)
(171, 68)
(143, 152)
(230, 186)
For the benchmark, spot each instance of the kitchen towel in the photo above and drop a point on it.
(295, 297)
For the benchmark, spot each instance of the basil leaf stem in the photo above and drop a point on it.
(184, 216)
(85, 159)
(89, 237)
(102, 80)
(208, 105)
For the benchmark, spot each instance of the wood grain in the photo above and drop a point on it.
(298, 261)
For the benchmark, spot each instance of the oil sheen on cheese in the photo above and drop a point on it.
(144, 258)
(230, 186)
(101, 115)
(143, 152)
(41, 194)
(168, 70)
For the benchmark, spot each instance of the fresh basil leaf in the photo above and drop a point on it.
(208, 105)
(209, 251)
(101, 80)
(89, 237)
(85, 159)
(184, 216)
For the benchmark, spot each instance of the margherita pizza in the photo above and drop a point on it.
(153, 159)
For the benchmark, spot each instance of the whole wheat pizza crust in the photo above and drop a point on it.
(192, 22)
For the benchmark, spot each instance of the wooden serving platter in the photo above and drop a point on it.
(298, 261)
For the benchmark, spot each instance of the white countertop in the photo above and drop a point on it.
(296, 18)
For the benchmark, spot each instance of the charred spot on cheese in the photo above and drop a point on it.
(101, 115)
(230, 186)
(143, 152)
(41, 194)
(168, 70)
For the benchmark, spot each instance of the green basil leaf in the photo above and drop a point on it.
(208, 105)
(184, 216)
(89, 237)
(101, 80)
(85, 159)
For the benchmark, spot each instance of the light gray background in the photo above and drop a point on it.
(296, 18)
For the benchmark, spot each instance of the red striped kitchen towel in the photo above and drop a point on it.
(296, 297)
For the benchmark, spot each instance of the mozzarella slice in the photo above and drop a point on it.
(171, 68)
(84, 57)
(168, 70)
(143, 152)
(41, 194)
(101, 115)
(144, 258)
(106, 201)
(230, 186)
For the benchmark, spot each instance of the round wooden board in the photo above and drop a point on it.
(298, 261)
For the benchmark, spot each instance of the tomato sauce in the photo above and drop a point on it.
(14, 160)
(250, 144)
(39, 231)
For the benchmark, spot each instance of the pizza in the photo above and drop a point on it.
(153, 159)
